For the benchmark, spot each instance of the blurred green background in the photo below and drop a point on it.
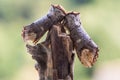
(100, 18)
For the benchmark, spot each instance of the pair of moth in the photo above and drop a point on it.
(86, 49)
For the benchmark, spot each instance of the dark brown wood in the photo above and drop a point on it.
(63, 57)
(37, 29)
(86, 48)
(43, 57)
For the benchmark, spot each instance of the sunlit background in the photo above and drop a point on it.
(100, 18)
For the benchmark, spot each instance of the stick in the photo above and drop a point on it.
(42, 55)
(61, 46)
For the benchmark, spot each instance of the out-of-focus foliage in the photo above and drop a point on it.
(100, 18)
(81, 2)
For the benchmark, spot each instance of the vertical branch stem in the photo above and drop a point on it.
(61, 47)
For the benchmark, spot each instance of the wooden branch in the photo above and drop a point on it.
(43, 57)
(63, 57)
(37, 29)
(87, 50)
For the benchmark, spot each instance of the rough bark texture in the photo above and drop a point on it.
(87, 50)
(61, 46)
(37, 29)
(43, 57)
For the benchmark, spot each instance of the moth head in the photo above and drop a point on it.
(30, 34)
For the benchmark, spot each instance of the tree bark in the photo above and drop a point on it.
(63, 56)
(57, 65)
(43, 57)
(87, 50)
